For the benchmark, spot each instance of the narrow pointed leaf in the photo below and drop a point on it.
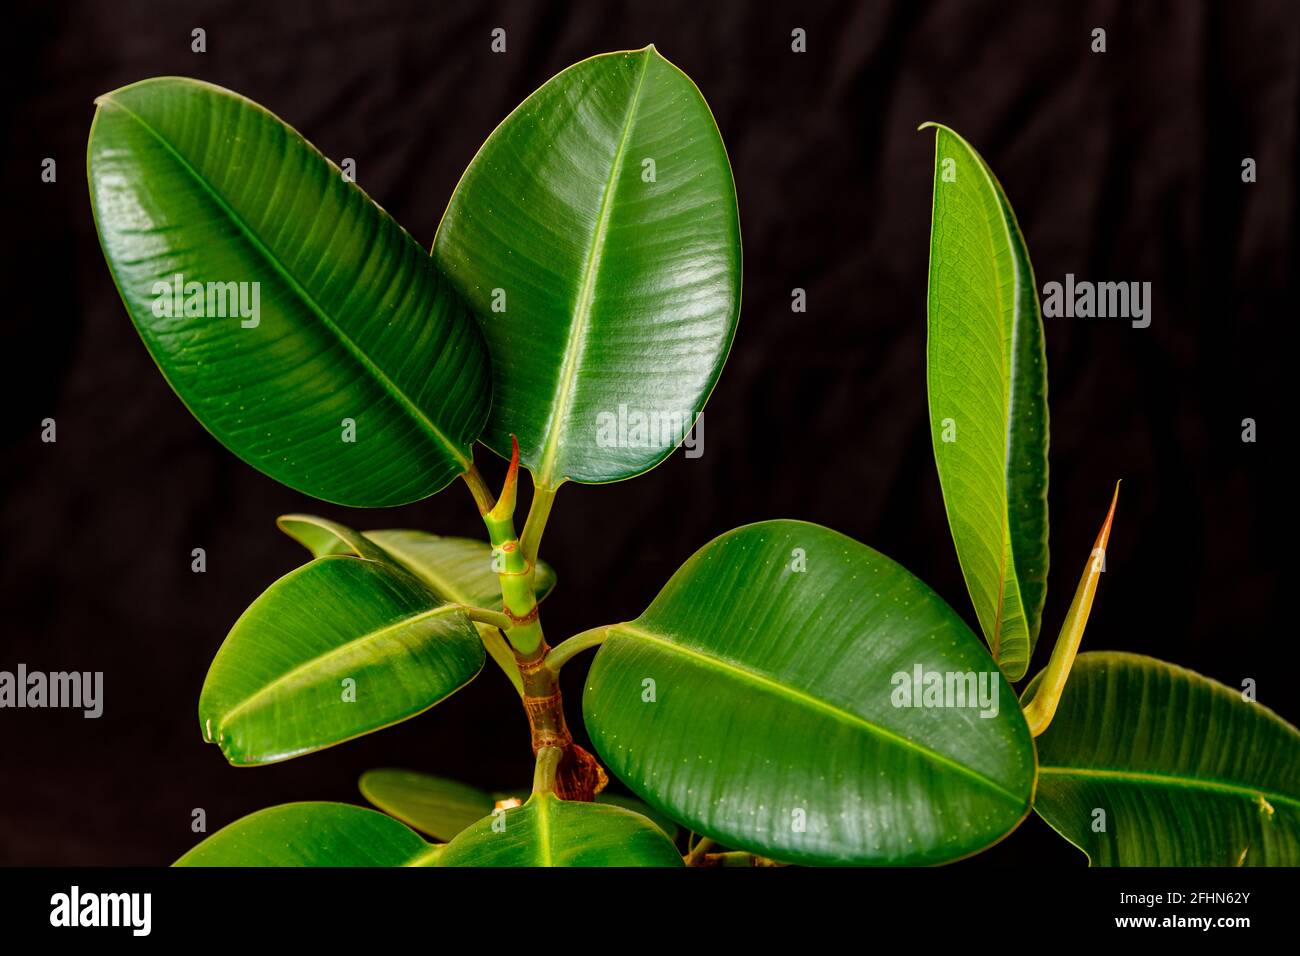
(338, 648)
(1149, 764)
(547, 831)
(987, 378)
(313, 834)
(597, 237)
(353, 323)
(1041, 706)
(758, 701)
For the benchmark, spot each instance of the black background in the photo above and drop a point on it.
(1122, 166)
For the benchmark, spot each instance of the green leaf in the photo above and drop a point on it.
(605, 298)
(760, 700)
(660, 820)
(1185, 771)
(458, 570)
(987, 377)
(323, 537)
(434, 805)
(443, 808)
(354, 323)
(547, 831)
(278, 686)
(313, 834)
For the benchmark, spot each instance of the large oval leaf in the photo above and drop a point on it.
(547, 831)
(987, 378)
(338, 648)
(760, 701)
(443, 808)
(191, 183)
(1148, 764)
(313, 834)
(597, 237)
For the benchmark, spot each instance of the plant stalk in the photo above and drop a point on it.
(548, 762)
(483, 616)
(576, 644)
(695, 856)
(539, 510)
(478, 488)
(575, 775)
(518, 600)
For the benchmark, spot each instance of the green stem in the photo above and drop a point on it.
(514, 571)
(548, 762)
(735, 858)
(696, 854)
(538, 511)
(479, 489)
(484, 616)
(499, 649)
(560, 654)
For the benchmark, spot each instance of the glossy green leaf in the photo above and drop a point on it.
(987, 378)
(443, 808)
(353, 323)
(337, 648)
(662, 821)
(323, 537)
(313, 834)
(596, 234)
(1149, 764)
(547, 831)
(458, 570)
(762, 700)
(640, 807)
(434, 805)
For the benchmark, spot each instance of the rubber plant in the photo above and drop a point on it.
(791, 696)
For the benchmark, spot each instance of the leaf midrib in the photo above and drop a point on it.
(782, 690)
(544, 832)
(1004, 531)
(1171, 780)
(351, 347)
(431, 852)
(582, 314)
(1008, 370)
(269, 688)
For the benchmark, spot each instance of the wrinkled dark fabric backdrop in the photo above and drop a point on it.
(1121, 166)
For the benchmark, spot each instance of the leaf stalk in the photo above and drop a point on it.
(574, 645)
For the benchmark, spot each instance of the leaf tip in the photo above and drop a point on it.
(505, 506)
(1103, 536)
